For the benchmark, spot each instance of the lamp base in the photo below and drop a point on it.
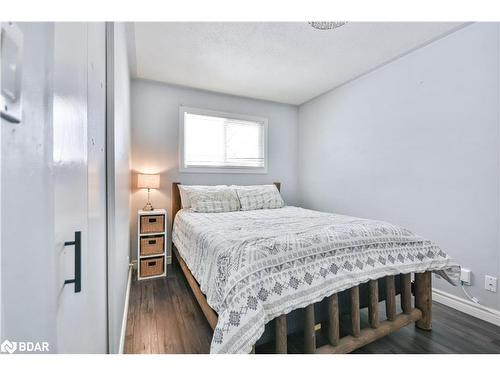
(148, 207)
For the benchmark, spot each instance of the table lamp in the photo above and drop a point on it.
(148, 181)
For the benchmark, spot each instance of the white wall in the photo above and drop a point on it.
(118, 186)
(155, 139)
(416, 142)
(28, 270)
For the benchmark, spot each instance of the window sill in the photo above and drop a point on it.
(223, 170)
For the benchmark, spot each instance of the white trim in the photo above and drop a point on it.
(481, 312)
(1, 301)
(131, 48)
(498, 155)
(110, 178)
(226, 169)
(125, 312)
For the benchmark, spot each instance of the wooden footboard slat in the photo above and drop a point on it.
(355, 316)
(367, 335)
(390, 298)
(406, 292)
(309, 332)
(423, 299)
(281, 338)
(333, 320)
(373, 304)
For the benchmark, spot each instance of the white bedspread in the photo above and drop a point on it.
(256, 265)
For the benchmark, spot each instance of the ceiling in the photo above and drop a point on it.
(284, 62)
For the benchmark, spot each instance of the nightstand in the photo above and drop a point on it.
(151, 244)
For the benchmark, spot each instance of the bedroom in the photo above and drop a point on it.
(250, 186)
(339, 151)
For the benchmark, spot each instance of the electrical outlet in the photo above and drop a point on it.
(490, 283)
(465, 276)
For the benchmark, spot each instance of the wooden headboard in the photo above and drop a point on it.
(176, 197)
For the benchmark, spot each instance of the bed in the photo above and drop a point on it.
(263, 275)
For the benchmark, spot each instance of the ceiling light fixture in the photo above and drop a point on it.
(326, 25)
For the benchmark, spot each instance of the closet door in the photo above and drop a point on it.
(80, 186)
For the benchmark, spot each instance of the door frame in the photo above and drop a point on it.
(110, 118)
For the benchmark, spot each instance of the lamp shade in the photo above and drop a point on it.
(148, 181)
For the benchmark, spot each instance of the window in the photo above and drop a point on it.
(222, 142)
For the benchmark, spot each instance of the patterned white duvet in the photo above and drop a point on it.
(256, 265)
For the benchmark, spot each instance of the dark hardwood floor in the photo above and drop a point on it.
(164, 317)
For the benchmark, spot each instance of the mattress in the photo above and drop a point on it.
(256, 265)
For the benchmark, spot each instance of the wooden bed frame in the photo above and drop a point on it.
(421, 313)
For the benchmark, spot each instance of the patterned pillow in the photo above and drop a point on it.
(222, 200)
(186, 190)
(259, 197)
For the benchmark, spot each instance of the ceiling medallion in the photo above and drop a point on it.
(326, 25)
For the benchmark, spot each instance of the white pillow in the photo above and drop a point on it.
(258, 197)
(186, 190)
(223, 200)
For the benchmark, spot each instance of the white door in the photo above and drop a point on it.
(80, 186)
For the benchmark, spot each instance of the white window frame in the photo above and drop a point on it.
(227, 169)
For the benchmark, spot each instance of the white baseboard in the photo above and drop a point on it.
(478, 311)
(125, 312)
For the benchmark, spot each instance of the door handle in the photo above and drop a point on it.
(78, 262)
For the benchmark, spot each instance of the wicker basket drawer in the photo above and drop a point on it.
(152, 223)
(152, 245)
(151, 267)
